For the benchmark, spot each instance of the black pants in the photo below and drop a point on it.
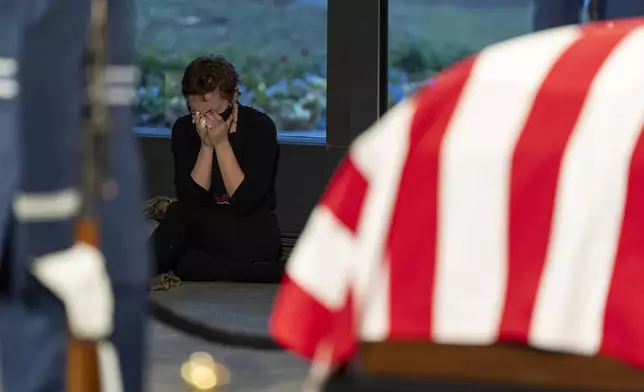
(214, 243)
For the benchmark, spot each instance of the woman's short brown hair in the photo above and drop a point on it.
(209, 73)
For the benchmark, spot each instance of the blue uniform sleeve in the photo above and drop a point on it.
(51, 97)
(48, 200)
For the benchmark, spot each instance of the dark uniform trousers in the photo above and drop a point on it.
(42, 90)
(555, 13)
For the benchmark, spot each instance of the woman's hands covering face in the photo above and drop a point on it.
(212, 128)
(202, 128)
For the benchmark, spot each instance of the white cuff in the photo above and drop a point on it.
(78, 277)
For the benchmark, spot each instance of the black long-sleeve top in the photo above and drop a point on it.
(256, 149)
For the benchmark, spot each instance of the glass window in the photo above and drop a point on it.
(278, 47)
(426, 36)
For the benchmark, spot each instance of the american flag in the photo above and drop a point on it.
(504, 203)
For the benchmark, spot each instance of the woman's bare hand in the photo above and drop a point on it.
(201, 123)
(217, 127)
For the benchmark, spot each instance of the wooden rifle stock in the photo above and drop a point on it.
(82, 356)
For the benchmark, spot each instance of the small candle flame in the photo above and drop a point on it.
(202, 373)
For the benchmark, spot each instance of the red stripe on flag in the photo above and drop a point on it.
(412, 238)
(535, 172)
(345, 194)
(301, 323)
(624, 315)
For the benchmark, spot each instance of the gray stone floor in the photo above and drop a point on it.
(234, 306)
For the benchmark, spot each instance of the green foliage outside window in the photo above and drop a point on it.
(279, 48)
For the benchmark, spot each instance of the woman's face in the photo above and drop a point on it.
(207, 103)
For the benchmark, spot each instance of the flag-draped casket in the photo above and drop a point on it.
(503, 203)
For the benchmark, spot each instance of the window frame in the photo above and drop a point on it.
(357, 46)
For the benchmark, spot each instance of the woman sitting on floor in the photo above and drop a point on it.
(223, 226)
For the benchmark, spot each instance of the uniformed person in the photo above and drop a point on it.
(10, 15)
(55, 281)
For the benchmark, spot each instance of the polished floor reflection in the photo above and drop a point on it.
(233, 306)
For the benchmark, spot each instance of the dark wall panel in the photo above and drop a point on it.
(333, 157)
(356, 67)
(301, 178)
(157, 162)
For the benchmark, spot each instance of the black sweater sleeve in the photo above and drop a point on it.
(185, 146)
(259, 165)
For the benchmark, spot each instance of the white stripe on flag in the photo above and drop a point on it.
(8, 67)
(46, 207)
(569, 312)
(323, 258)
(476, 160)
(387, 138)
(8, 88)
(374, 322)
